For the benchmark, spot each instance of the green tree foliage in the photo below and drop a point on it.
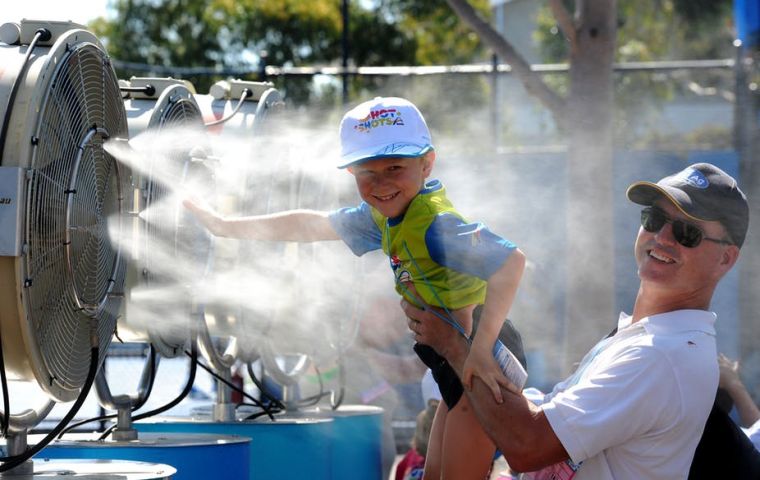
(170, 33)
(235, 34)
(654, 30)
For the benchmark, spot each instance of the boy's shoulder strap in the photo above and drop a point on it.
(378, 218)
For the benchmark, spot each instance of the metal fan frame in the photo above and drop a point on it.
(24, 358)
(153, 114)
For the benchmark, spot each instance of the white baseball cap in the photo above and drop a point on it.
(383, 127)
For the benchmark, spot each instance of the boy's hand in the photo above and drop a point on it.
(480, 363)
(203, 213)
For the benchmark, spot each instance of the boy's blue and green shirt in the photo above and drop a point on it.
(431, 245)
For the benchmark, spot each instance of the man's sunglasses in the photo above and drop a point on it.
(685, 233)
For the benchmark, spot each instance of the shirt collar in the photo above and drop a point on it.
(429, 187)
(673, 322)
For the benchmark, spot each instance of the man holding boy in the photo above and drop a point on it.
(637, 404)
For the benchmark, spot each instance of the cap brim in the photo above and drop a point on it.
(646, 193)
(396, 150)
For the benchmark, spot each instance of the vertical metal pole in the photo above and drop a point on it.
(345, 50)
(745, 143)
(496, 102)
(741, 105)
(101, 410)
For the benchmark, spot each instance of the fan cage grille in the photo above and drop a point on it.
(59, 276)
(167, 231)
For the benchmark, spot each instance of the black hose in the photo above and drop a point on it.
(263, 389)
(341, 382)
(16, 460)
(256, 401)
(6, 398)
(137, 406)
(41, 34)
(176, 401)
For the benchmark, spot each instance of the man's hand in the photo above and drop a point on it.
(428, 329)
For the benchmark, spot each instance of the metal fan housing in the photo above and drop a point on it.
(163, 105)
(60, 107)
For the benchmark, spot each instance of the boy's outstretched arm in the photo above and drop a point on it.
(500, 293)
(289, 225)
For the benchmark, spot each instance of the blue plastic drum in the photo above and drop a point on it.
(357, 446)
(286, 449)
(193, 456)
(45, 469)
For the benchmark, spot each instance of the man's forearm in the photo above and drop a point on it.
(745, 406)
(517, 426)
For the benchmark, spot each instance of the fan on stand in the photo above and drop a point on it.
(61, 268)
(231, 107)
(266, 326)
(247, 116)
(189, 239)
(167, 255)
(159, 107)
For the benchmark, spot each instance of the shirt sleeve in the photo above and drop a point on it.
(469, 248)
(357, 228)
(753, 432)
(621, 401)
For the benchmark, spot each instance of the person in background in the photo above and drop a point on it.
(637, 404)
(437, 257)
(412, 465)
(746, 408)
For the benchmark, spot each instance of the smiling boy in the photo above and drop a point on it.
(462, 269)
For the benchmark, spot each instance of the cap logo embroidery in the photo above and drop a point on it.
(694, 178)
(379, 118)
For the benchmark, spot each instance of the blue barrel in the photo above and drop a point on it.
(357, 446)
(193, 456)
(286, 449)
(747, 21)
(99, 469)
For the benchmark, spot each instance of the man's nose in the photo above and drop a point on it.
(665, 235)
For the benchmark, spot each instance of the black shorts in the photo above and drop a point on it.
(450, 386)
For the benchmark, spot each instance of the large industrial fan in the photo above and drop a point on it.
(285, 301)
(167, 250)
(62, 211)
(154, 106)
(277, 168)
(160, 308)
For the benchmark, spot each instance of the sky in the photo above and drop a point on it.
(79, 11)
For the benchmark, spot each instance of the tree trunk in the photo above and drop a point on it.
(586, 118)
(590, 300)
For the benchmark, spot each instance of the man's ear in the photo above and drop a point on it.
(428, 160)
(729, 257)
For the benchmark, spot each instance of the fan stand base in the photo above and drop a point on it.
(26, 468)
(17, 445)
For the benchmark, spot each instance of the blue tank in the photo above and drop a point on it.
(193, 456)
(291, 447)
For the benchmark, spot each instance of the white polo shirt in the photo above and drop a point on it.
(638, 403)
